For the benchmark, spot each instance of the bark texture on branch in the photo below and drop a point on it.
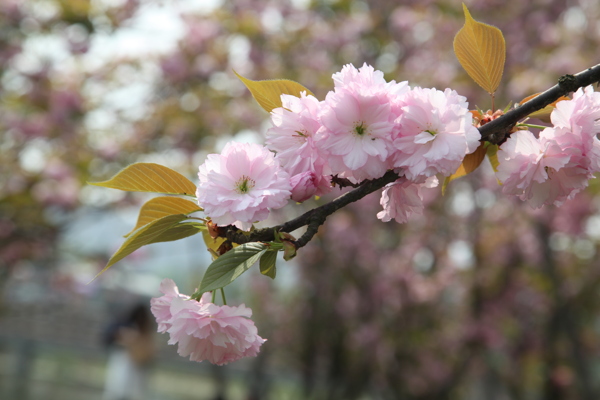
(497, 131)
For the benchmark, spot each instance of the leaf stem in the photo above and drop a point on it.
(533, 126)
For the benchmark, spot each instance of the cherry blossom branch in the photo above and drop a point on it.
(313, 218)
(497, 131)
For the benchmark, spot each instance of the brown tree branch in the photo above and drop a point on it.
(498, 130)
(313, 218)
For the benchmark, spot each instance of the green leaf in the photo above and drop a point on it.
(149, 177)
(268, 93)
(267, 264)
(230, 265)
(154, 232)
(159, 207)
(481, 50)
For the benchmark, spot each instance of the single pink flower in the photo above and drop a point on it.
(241, 184)
(292, 138)
(205, 331)
(358, 121)
(434, 133)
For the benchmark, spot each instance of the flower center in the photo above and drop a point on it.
(360, 128)
(244, 184)
(302, 134)
(431, 132)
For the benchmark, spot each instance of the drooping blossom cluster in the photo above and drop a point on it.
(555, 166)
(364, 127)
(205, 331)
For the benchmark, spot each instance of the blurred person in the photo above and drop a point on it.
(131, 351)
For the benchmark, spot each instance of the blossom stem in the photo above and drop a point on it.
(223, 296)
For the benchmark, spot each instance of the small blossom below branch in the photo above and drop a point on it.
(204, 330)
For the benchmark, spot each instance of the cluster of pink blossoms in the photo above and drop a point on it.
(554, 167)
(364, 127)
(205, 331)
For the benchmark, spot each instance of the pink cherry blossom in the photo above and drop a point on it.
(292, 135)
(581, 114)
(161, 306)
(577, 122)
(367, 79)
(203, 330)
(541, 171)
(558, 165)
(434, 133)
(241, 184)
(358, 121)
(292, 138)
(402, 199)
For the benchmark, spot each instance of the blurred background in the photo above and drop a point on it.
(480, 298)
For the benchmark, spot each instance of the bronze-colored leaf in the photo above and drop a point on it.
(469, 164)
(159, 207)
(481, 50)
(268, 93)
(150, 177)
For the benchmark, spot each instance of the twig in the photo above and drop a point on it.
(497, 131)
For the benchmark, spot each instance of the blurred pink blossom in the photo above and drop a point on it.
(402, 199)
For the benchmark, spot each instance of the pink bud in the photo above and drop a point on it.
(304, 186)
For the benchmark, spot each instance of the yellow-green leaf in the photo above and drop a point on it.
(179, 231)
(149, 177)
(153, 232)
(492, 153)
(469, 164)
(159, 207)
(268, 93)
(212, 244)
(481, 50)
